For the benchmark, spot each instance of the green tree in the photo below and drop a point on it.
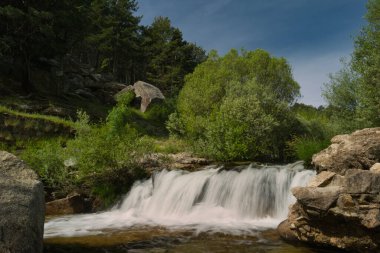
(237, 106)
(342, 95)
(353, 93)
(169, 58)
(114, 36)
(31, 30)
(25, 35)
(366, 61)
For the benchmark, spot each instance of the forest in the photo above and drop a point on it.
(241, 106)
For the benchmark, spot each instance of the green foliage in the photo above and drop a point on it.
(117, 119)
(237, 106)
(342, 94)
(354, 92)
(36, 116)
(171, 145)
(169, 57)
(47, 158)
(4, 146)
(315, 128)
(174, 125)
(125, 99)
(104, 158)
(305, 147)
(115, 35)
(366, 61)
(103, 34)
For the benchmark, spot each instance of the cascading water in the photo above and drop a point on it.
(213, 200)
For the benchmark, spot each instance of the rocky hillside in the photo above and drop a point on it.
(341, 206)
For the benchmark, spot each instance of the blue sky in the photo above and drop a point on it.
(312, 34)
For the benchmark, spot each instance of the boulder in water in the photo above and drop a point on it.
(22, 212)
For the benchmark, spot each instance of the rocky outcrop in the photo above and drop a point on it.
(359, 150)
(340, 207)
(21, 207)
(71, 78)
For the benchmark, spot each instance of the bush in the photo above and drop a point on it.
(174, 125)
(47, 158)
(103, 158)
(305, 147)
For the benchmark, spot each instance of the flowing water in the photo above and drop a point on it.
(180, 210)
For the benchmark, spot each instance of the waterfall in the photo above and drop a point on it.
(213, 200)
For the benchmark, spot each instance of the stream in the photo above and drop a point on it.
(210, 210)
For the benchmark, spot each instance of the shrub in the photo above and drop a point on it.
(47, 158)
(305, 147)
(103, 158)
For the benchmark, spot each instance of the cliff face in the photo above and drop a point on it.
(341, 206)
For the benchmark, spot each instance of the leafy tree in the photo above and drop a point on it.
(237, 106)
(342, 95)
(366, 61)
(354, 92)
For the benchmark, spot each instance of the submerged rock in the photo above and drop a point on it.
(341, 205)
(22, 211)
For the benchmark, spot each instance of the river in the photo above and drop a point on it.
(211, 210)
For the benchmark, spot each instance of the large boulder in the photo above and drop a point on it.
(359, 150)
(340, 207)
(22, 204)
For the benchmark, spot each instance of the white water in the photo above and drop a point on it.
(211, 200)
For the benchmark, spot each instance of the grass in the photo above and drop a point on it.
(170, 145)
(37, 116)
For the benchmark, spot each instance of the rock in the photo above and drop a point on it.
(322, 179)
(184, 161)
(285, 230)
(361, 181)
(340, 207)
(22, 212)
(375, 168)
(70, 205)
(371, 219)
(359, 150)
(317, 198)
(85, 93)
(188, 158)
(345, 201)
